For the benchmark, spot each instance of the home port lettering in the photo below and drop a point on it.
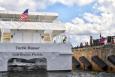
(27, 54)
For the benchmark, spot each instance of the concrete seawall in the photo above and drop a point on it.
(101, 53)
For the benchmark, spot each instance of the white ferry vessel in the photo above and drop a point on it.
(30, 44)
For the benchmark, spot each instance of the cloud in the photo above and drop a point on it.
(1, 8)
(18, 5)
(38, 4)
(92, 24)
(72, 2)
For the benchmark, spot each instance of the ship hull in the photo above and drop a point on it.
(27, 56)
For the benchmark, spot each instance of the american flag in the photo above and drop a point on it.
(24, 16)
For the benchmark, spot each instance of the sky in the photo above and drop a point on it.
(82, 18)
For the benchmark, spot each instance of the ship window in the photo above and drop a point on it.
(11, 36)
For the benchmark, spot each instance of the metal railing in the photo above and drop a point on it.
(28, 20)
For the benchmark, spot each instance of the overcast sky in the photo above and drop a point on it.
(82, 17)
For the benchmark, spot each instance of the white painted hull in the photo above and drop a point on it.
(58, 56)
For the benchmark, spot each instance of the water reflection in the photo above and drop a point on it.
(37, 74)
(83, 74)
(58, 74)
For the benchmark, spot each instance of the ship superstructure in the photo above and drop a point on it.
(40, 27)
(31, 42)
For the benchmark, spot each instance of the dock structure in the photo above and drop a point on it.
(101, 58)
(30, 44)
